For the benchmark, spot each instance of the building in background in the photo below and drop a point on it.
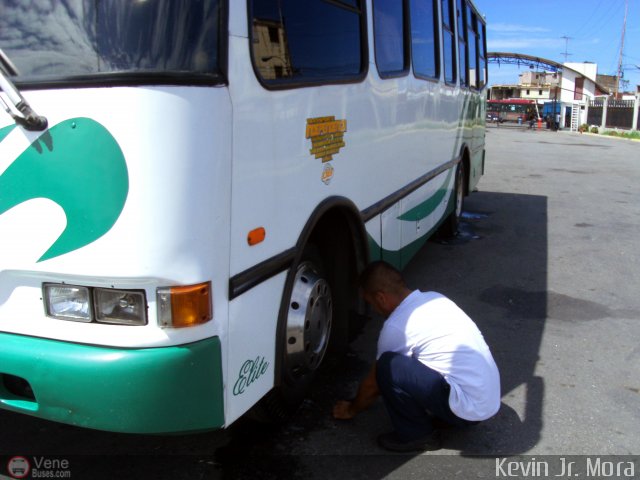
(607, 81)
(569, 89)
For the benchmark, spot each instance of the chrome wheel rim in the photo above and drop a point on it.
(308, 321)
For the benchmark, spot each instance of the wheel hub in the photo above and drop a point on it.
(308, 321)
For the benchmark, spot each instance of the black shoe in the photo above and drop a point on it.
(441, 424)
(391, 441)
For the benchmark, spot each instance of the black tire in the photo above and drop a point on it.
(303, 338)
(449, 227)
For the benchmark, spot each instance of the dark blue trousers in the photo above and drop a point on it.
(414, 395)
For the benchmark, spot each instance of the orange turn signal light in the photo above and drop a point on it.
(185, 306)
(256, 236)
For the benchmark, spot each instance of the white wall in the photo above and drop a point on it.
(589, 70)
(569, 86)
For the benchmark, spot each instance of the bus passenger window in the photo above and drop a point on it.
(462, 44)
(482, 56)
(424, 34)
(392, 52)
(472, 41)
(307, 42)
(449, 44)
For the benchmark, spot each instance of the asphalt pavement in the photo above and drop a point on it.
(547, 263)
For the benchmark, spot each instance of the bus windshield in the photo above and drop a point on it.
(80, 39)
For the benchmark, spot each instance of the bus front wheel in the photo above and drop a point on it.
(308, 324)
(303, 340)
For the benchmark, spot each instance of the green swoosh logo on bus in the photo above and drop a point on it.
(427, 207)
(6, 131)
(78, 165)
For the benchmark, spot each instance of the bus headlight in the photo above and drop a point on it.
(93, 304)
(122, 307)
(67, 302)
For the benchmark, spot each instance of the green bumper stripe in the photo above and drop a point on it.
(149, 390)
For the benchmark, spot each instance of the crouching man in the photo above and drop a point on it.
(433, 365)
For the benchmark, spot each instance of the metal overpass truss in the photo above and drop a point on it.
(520, 59)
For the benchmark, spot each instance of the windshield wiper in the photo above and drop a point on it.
(20, 110)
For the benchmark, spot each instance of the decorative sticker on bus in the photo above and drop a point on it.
(327, 173)
(327, 136)
(78, 165)
(250, 371)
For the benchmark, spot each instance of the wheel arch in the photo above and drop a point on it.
(465, 158)
(336, 229)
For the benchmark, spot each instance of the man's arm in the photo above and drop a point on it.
(367, 394)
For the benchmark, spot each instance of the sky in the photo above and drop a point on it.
(594, 28)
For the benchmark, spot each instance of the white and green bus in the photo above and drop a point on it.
(189, 189)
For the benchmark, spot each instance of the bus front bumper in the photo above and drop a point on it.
(148, 390)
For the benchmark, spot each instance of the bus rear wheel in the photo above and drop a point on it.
(449, 227)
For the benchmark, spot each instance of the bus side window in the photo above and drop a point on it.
(449, 42)
(310, 42)
(390, 36)
(462, 44)
(482, 55)
(472, 42)
(424, 39)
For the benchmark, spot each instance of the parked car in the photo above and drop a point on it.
(494, 117)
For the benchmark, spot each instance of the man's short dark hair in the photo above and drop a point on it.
(381, 276)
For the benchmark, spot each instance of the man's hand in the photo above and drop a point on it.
(367, 393)
(343, 410)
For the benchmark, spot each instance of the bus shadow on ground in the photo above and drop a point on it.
(499, 277)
